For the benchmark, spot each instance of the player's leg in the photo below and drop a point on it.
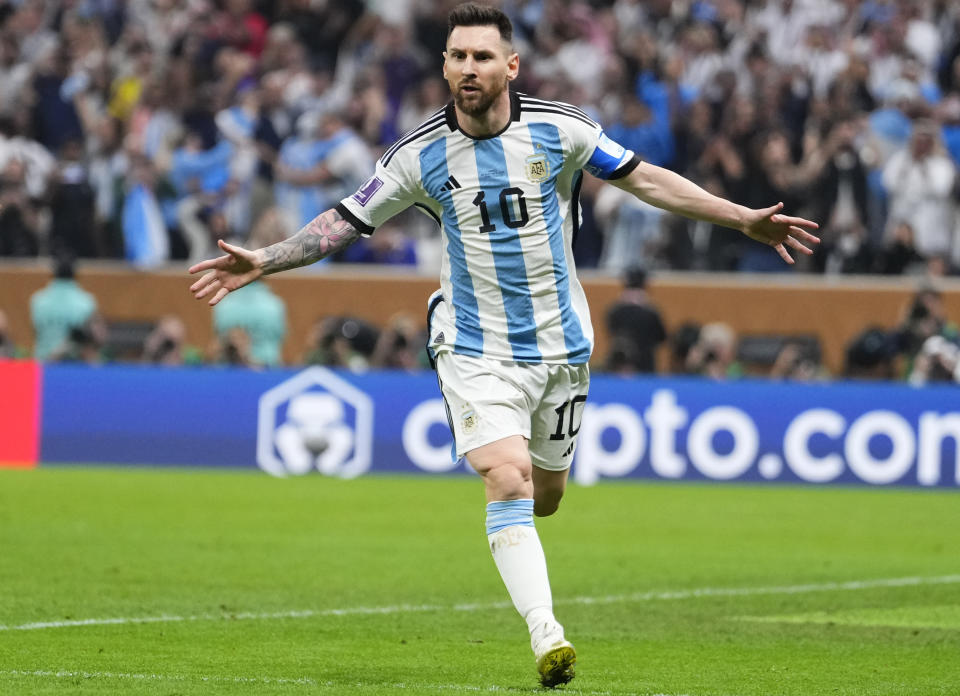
(548, 489)
(505, 468)
(489, 405)
(508, 474)
(555, 423)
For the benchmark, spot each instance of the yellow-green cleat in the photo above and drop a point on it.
(555, 655)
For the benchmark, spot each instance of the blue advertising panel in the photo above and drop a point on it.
(291, 422)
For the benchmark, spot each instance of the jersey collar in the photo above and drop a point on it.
(451, 115)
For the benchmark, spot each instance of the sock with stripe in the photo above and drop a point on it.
(519, 557)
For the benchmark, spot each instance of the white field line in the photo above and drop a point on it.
(694, 593)
(301, 681)
(68, 674)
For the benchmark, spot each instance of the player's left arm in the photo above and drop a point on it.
(672, 192)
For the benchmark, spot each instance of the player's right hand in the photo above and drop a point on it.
(238, 267)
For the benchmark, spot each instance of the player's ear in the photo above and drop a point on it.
(513, 66)
(444, 65)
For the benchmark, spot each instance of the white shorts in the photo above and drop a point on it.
(488, 400)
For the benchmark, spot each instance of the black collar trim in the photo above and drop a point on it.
(451, 116)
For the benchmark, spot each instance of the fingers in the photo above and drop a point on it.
(204, 279)
(799, 222)
(804, 236)
(784, 254)
(208, 264)
(205, 285)
(221, 293)
(798, 246)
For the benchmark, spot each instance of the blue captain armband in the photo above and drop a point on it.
(611, 160)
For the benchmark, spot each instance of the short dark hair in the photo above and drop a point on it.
(472, 15)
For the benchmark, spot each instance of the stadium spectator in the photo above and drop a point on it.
(634, 327)
(401, 345)
(166, 344)
(919, 180)
(681, 342)
(85, 343)
(263, 318)
(19, 220)
(299, 171)
(924, 318)
(899, 255)
(146, 238)
(870, 355)
(346, 342)
(233, 349)
(797, 361)
(840, 196)
(59, 308)
(200, 179)
(347, 162)
(714, 354)
(937, 361)
(72, 206)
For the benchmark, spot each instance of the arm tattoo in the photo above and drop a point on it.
(324, 235)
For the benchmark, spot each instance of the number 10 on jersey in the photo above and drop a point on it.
(513, 209)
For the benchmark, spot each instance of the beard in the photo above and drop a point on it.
(479, 102)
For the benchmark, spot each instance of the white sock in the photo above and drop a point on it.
(519, 557)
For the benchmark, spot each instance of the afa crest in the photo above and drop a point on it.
(538, 168)
(469, 419)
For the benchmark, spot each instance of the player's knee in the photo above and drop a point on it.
(510, 480)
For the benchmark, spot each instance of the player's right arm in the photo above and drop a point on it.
(324, 235)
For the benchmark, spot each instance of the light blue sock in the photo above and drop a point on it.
(509, 513)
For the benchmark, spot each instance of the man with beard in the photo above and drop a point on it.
(509, 329)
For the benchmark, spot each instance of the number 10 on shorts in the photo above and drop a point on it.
(575, 415)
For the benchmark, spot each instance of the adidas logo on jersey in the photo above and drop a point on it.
(438, 338)
(569, 451)
(451, 184)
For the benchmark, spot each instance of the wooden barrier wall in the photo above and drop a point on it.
(836, 310)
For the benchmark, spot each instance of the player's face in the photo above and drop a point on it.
(478, 64)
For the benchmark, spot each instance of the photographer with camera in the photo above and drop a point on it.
(928, 340)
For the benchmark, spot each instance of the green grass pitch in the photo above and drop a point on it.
(170, 582)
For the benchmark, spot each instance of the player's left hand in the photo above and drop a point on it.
(769, 226)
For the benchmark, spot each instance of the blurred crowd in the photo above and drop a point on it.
(922, 348)
(148, 129)
(250, 330)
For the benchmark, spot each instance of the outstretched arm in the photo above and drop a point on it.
(324, 235)
(672, 192)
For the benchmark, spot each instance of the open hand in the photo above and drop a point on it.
(769, 226)
(237, 268)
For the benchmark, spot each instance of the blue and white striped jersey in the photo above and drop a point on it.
(508, 208)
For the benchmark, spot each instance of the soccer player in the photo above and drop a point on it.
(509, 329)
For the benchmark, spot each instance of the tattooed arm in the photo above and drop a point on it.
(326, 234)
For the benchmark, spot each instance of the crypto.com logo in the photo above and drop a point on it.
(315, 421)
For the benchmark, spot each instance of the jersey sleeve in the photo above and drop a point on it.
(600, 155)
(384, 194)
